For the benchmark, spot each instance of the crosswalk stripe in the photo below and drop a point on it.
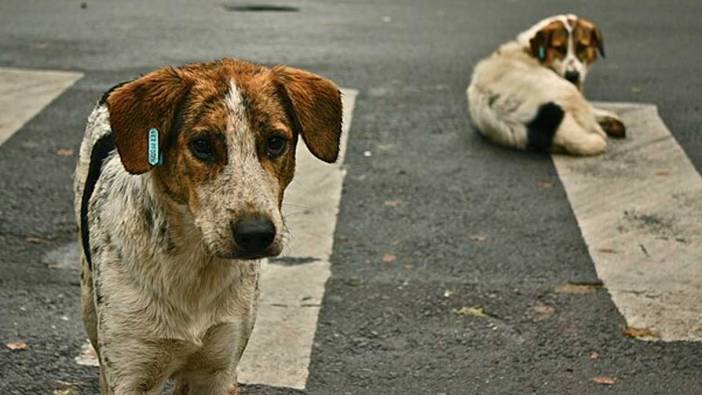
(639, 208)
(23, 93)
(292, 287)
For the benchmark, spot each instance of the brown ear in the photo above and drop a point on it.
(598, 40)
(315, 104)
(138, 106)
(539, 44)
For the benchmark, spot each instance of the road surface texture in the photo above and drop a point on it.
(458, 267)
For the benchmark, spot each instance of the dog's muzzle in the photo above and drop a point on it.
(253, 236)
(572, 76)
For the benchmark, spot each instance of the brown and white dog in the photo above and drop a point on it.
(528, 93)
(171, 239)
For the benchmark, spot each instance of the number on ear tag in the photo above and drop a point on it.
(155, 158)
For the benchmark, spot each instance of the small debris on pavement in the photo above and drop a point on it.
(639, 333)
(35, 240)
(475, 311)
(478, 237)
(17, 346)
(544, 184)
(367, 154)
(387, 19)
(604, 380)
(577, 289)
(607, 250)
(389, 258)
(393, 203)
(449, 292)
(594, 355)
(543, 311)
(64, 152)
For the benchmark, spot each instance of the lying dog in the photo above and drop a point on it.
(178, 192)
(528, 93)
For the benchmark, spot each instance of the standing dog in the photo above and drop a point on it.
(528, 93)
(178, 192)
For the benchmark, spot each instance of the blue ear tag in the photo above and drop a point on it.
(155, 157)
(542, 53)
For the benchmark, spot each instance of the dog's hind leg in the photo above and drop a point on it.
(572, 138)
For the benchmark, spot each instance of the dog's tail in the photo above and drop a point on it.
(505, 122)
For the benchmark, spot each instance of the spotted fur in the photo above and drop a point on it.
(169, 293)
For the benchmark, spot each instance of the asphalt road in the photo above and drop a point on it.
(464, 218)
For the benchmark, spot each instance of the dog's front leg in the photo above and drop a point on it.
(610, 123)
(133, 366)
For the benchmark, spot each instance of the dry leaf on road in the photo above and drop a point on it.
(35, 240)
(64, 152)
(393, 203)
(604, 380)
(475, 311)
(17, 346)
(638, 333)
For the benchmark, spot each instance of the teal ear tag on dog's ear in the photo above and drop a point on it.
(155, 158)
(542, 53)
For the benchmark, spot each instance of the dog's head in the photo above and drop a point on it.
(227, 131)
(567, 44)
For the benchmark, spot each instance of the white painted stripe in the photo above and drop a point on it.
(23, 93)
(278, 353)
(639, 207)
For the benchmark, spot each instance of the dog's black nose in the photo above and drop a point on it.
(253, 235)
(572, 76)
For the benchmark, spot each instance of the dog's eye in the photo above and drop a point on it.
(202, 149)
(275, 146)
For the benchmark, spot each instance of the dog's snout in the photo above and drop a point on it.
(253, 235)
(572, 76)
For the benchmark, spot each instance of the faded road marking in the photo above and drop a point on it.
(23, 93)
(639, 207)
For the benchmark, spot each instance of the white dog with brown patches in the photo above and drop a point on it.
(178, 192)
(528, 93)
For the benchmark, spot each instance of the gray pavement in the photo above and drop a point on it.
(470, 224)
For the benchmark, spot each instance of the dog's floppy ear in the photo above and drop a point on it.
(598, 40)
(539, 44)
(137, 107)
(314, 104)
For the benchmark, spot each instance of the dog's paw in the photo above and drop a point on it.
(613, 127)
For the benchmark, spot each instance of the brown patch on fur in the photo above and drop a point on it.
(553, 38)
(588, 40)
